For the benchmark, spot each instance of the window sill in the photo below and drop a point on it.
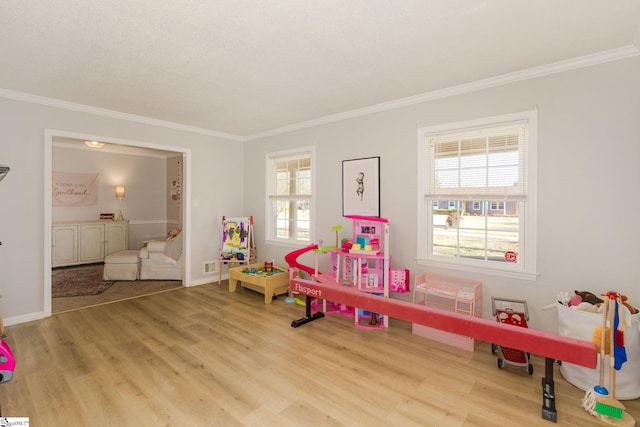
(521, 275)
(287, 243)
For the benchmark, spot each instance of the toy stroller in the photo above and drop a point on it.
(503, 310)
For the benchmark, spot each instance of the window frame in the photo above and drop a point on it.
(501, 205)
(527, 267)
(270, 232)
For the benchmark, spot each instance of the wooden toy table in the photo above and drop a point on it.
(266, 283)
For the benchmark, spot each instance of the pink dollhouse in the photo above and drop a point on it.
(362, 261)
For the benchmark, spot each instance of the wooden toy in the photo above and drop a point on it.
(609, 340)
(254, 277)
(237, 243)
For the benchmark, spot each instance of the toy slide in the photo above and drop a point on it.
(292, 259)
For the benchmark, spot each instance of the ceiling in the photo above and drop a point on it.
(245, 68)
(110, 147)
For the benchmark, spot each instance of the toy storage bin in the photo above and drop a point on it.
(449, 293)
(581, 325)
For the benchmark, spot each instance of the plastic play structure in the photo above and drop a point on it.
(7, 361)
(362, 262)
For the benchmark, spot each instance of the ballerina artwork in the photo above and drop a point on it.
(354, 174)
(360, 185)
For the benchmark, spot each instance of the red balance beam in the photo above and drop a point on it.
(545, 344)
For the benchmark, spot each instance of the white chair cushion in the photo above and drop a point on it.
(122, 257)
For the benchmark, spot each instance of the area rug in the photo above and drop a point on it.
(78, 281)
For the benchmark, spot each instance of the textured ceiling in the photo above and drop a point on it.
(245, 67)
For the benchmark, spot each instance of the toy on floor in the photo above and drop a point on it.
(294, 273)
(7, 361)
(294, 299)
(589, 297)
(609, 340)
(506, 314)
(237, 243)
(268, 267)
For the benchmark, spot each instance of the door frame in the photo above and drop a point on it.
(49, 136)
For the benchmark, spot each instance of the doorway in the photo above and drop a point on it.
(53, 137)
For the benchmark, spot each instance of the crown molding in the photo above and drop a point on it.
(117, 149)
(530, 73)
(103, 112)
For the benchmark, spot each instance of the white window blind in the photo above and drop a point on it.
(489, 162)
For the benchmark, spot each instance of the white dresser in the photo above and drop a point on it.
(83, 242)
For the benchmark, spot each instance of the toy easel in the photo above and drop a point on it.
(237, 242)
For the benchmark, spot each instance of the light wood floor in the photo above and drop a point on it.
(120, 290)
(204, 357)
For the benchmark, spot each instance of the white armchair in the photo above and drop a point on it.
(162, 259)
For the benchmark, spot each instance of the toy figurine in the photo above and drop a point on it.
(268, 267)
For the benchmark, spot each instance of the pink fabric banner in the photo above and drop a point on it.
(75, 189)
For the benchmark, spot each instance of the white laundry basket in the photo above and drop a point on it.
(581, 325)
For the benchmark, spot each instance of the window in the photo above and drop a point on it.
(290, 196)
(497, 206)
(476, 195)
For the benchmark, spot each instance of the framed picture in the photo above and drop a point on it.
(361, 187)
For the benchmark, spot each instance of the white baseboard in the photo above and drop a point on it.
(207, 280)
(24, 318)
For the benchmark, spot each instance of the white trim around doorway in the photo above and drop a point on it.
(49, 136)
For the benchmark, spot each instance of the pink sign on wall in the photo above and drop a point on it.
(75, 189)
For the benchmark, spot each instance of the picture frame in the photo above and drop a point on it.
(361, 187)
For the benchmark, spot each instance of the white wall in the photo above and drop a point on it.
(146, 199)
(22, 134)
(587, 181)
